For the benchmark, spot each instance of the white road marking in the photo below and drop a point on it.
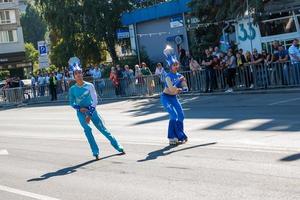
(25, 193)
(284, 101)
(3, 152)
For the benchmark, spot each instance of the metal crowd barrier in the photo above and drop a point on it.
(260, 76)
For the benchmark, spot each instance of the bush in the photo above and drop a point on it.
(4, 74)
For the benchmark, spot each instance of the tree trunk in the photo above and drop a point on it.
(112, 50)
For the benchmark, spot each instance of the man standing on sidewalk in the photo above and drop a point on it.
(53, 86)
(83, 99)
(294, 53)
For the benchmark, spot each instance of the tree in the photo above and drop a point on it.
(31, 54)
(4, 74)
(80, 27)
(34, 27)
(102, 19)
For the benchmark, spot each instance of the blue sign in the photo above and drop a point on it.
(123, 33)
(42, 48)
(251, 35)
(176, 21)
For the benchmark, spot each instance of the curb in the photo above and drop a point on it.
(156, 96)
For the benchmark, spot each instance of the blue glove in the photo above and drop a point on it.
(76, 107)
(91, 110)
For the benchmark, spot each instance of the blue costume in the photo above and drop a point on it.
(85, 96)
(172, 105)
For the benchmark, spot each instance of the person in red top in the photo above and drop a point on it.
(114, 78)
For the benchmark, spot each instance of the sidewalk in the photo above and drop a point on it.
(63, 98)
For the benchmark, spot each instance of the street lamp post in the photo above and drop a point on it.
(249, 21)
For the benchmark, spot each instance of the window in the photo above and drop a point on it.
(7, 17)
(8, 36)
(277, 26)
(6, 1)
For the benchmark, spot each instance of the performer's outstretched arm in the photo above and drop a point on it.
(93, 95)
(173, 87)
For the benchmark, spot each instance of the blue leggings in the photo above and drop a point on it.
(96, 119)
(174, 108)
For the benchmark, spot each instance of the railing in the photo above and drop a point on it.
(260, 76)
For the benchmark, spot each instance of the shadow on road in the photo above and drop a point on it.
(230, 110)
(291, 158)
(68, 170)
(165, 151)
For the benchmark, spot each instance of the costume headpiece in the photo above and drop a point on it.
(74, 64)
(171, 57)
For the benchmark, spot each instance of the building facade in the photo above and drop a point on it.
(12, 50)
(154, 27)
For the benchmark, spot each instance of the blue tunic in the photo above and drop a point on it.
(173, 79)
(83, 96)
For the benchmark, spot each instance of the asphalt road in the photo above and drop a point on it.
(240, 147)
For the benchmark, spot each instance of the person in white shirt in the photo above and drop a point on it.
(161, 73)
(98, 82)
(294, 53)
(41, 84)
(33, 85)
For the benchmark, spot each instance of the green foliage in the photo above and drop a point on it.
(4, 74)
(31, 54)
(52, 68)
(81, 27)
(34, 27)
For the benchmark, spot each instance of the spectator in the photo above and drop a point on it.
(241, 70)
(120, 75)
(148, 77)
(249, 70)
(161, 73)
(194, 67)
(217, 52)
(211, 50)
(138, 75)
(33, 85)
(243, 58)
(53, 86)
(283, 58)
(59, 76)
(275, 48)
(216, 66)
(67, 80)
(145, 70)
(239, 60)
(294, 54)
(114, 78)
(267, 58)
(207, 62)
(257, 58)
(98, 82)
(223, 60)
(41, 84)
(20, 82)
(129, 80)
(248, 57)
(90, 70)
(231, 71)
(184, 60)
